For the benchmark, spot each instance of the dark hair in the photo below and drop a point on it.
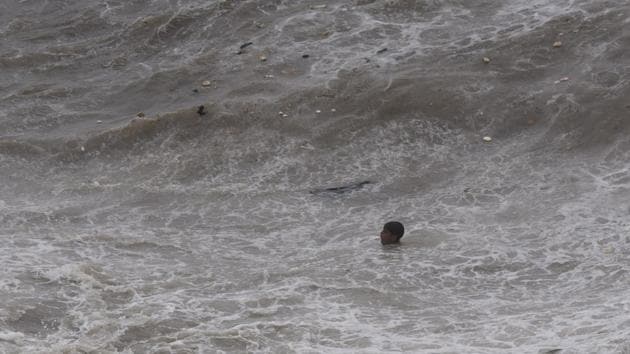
(396, 228)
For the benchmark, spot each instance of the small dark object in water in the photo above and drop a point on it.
(342, 189)
(305, 56)
(201, 110)
(195, 91)
(382, 51)
(243, 46)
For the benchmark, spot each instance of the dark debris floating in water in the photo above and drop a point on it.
(341, 189)
(241, 49)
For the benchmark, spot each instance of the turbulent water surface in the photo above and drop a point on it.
(178, 232)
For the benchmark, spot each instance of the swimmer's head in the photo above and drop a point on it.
(392, 232)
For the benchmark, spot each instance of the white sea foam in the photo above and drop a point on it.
(13, 337)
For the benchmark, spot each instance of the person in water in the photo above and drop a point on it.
(392, 232)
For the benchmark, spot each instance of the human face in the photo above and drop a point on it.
(387, 238)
